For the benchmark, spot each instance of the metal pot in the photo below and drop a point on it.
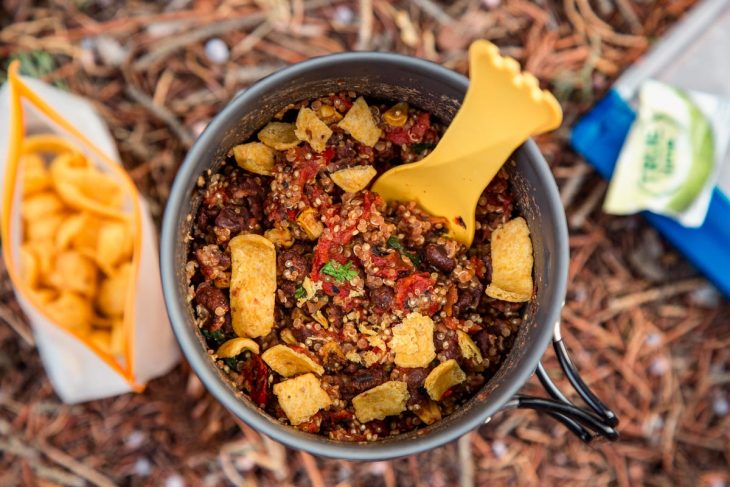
(439, 91)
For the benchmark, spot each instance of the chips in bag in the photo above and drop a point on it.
(79, 246)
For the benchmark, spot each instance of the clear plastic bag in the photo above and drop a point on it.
(78, 368)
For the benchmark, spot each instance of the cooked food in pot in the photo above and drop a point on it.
(333, 311)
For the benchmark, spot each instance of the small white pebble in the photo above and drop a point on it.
(720, 406)
(217, 51)
(659, 366)
(344, 14)
(491, 3)
(653, 340)
(135, 440)
(499, 448)
(142, 467)
(175, 480)
(707, 296)
(245, 463)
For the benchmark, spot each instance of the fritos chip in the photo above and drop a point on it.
(113, 291)
(442, 378)
(114, 244)
(279, 136)
(309, 221)
(253, 285)
(428, 412)
(311, 129)
(45, 255)
(354, 179)
(102, 339)
(413, 341)
(255, 157)
(41, 205)
(29, 266)
(36, 177)
(75, 272)
(387, 399)
(74, 226)
(72, 311)
(511, 262)
(236, 346)
(359, 123)
(280, 236)
(84, 187)
(44, 295)
(117, 342)
(468, 348)
(44, 228)
(301, 397)
(288, 362)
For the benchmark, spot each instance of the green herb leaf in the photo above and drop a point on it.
(300, 293)
(231, 362)
(216, 336)
(341, 273)
(394, 243)
(422, 147)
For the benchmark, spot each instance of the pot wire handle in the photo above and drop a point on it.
(581, 387)
(586, 418)
(600, 419)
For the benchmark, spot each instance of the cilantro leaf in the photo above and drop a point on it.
(300, 293)
(394, 243)
(341, 273)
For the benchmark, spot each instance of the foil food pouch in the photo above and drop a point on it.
(672, 156)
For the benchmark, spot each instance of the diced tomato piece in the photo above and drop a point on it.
(327, 155)
(451, 296)
(391, 262)
(480, 267)
(397, 135)
(423, 122)
(413, 285)
(313, 425)
(402, 135)
(332, 289)
(344, 101)
(256, 379)
(451, 323)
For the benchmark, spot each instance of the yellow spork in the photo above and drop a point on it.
(501, 109)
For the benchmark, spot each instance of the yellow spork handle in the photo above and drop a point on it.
(501, 109)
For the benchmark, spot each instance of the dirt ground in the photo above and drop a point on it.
(649, 335)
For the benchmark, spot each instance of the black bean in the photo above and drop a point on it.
(215, 302)
(436, 256)
(381, 299)
(360, 381)
(468, 299)
(292, 264)
(232, 218)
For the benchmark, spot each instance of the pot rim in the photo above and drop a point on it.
(204, 367)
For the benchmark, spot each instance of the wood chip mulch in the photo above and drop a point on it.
(648, 334)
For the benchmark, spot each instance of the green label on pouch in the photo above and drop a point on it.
(659, 163)
(668, 162)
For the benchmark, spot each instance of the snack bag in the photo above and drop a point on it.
(79, 245)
